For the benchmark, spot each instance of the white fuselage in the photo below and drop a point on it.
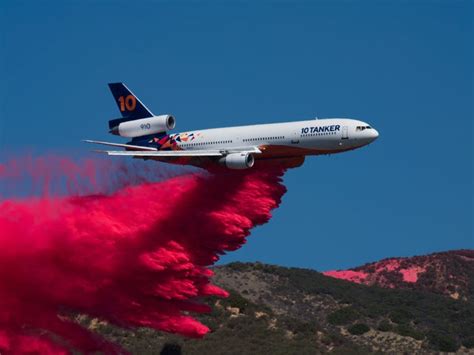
(289, 139)
(238, 147)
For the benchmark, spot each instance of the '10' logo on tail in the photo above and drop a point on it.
(129, 103)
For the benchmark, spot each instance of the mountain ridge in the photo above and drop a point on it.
(449, 273)
(280, 310)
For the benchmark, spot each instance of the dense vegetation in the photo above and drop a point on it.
(304, 312)
(445, 323)
(232, 334)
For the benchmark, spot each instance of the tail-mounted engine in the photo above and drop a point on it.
(142, 127)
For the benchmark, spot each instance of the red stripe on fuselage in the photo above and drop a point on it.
(284, 151)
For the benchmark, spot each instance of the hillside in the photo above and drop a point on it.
(281, 310)
(449, 273)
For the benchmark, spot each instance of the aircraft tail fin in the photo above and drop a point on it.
(129, 105)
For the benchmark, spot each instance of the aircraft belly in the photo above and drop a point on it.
(276, 151)
(194, 161)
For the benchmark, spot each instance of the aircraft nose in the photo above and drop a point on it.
(374, 134)
(370, 135)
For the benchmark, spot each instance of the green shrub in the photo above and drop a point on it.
(326, 340)
(236, 300)
(406, 330)
(334, 338)
(384, 326)
(400, 316)
(343, 316)
(238, 266)
(442, 342)
(358, 329)
(469, 342)
(171, 349)
(351, 349)
(297, 326)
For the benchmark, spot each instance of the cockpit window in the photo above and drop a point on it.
(361, 128)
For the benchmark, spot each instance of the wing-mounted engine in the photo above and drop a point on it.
(239, 161)
(142, 127)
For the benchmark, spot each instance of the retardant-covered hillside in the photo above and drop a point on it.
(450, 273)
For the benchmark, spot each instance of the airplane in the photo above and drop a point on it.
(232, 147)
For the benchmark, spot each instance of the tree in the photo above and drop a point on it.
(358, 329)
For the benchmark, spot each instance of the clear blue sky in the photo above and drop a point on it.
(405, 67)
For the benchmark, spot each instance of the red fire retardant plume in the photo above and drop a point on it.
(136, 257)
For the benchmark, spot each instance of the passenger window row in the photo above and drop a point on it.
(318, 134)
(206, 143)
(263, 139)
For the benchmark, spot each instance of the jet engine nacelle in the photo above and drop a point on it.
(144, 126)
(238, 161)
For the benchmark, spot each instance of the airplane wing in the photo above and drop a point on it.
(165, 153)
(138, 147)
(180, 153)
(140, 151)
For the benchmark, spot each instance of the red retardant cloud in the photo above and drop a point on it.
(136, 257)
